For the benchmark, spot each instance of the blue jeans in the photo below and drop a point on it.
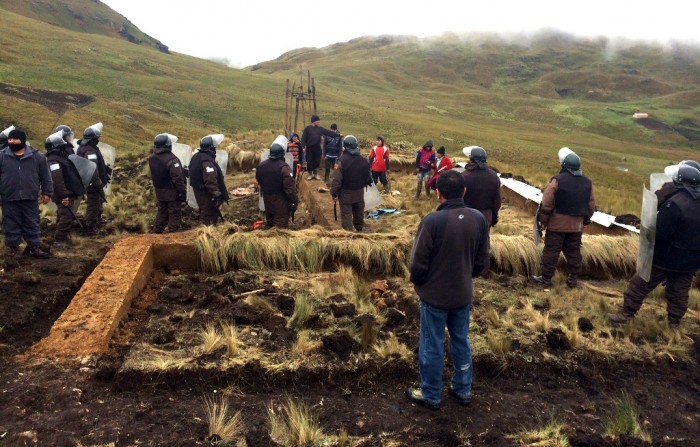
(431, 350)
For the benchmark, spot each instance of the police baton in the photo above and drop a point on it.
(335, 209)
(75, 218)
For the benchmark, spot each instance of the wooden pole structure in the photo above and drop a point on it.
(313, 93)
(286, 109)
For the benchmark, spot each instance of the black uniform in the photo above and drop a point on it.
(67, 184)
(349, 182)
(95, 195)
(278, 191)
(207, 181)
(168, 178)
(311, 141)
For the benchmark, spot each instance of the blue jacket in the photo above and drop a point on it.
(22, 178)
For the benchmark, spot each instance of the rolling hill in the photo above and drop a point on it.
(521, 99)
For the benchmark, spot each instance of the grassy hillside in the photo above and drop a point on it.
(522, 101)
(88, 16)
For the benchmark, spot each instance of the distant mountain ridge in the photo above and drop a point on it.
(88, 16)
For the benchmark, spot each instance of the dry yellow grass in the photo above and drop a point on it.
(293, 425)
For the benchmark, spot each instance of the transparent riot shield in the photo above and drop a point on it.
(372, 197)
(110, 155)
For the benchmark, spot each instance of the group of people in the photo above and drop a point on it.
(26, 173)
(452, 246)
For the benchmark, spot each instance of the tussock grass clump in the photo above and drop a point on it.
(310, 250)
(293, 425)
(551, 434)
(223, 426)
(624, 419)
(230, 339)
(304, 344)
(609, 256)
(303, 309)
(210, 339)
(515, 254)
(534, 319)
(392, 348)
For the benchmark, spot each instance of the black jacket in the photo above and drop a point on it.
(451, 246)
(167, 174)
(350, 179)
(65, 176)
(88, 149)
(311, 137)
(21, 178)
(677, 243)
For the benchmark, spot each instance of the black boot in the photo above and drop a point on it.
(571, 281)
(418, 191)
(36, 252)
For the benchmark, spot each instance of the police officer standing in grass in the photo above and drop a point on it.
(24, 174)
(311, 143)
(67, 185)
(207, 181)
(348, 186)
(95, 195)
(277, 186)
(676, 249)
(168, 178)
(483, 190)
(451, 247)
(567, 205)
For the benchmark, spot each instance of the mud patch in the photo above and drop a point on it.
(57, 102)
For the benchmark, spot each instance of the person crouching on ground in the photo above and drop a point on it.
(277, 186)
(348, 186)
(450, 248)
(168, 178)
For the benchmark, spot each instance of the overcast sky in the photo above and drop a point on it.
(250, 31)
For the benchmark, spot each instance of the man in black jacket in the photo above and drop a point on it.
(67, 185)
(95, 195)
(311, 143)
(24, 174)
(451, 247)
(168, 178)
(277, 185)
(207, 180)
(676, 251)
(348, 187)
(483, 189)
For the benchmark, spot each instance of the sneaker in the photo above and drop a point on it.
(462, 400)
(541, 281)
(620, 318)
(310, 177)
(36, 252)
(415, 395)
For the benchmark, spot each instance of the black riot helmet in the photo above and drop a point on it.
(350, 145)
(66, 132)
(55, 140)
(164, 140)
(689, 175)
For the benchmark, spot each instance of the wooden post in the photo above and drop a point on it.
(313, 93)
(296, 117)
(286, 109)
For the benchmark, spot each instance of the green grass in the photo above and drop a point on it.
(487, 91)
